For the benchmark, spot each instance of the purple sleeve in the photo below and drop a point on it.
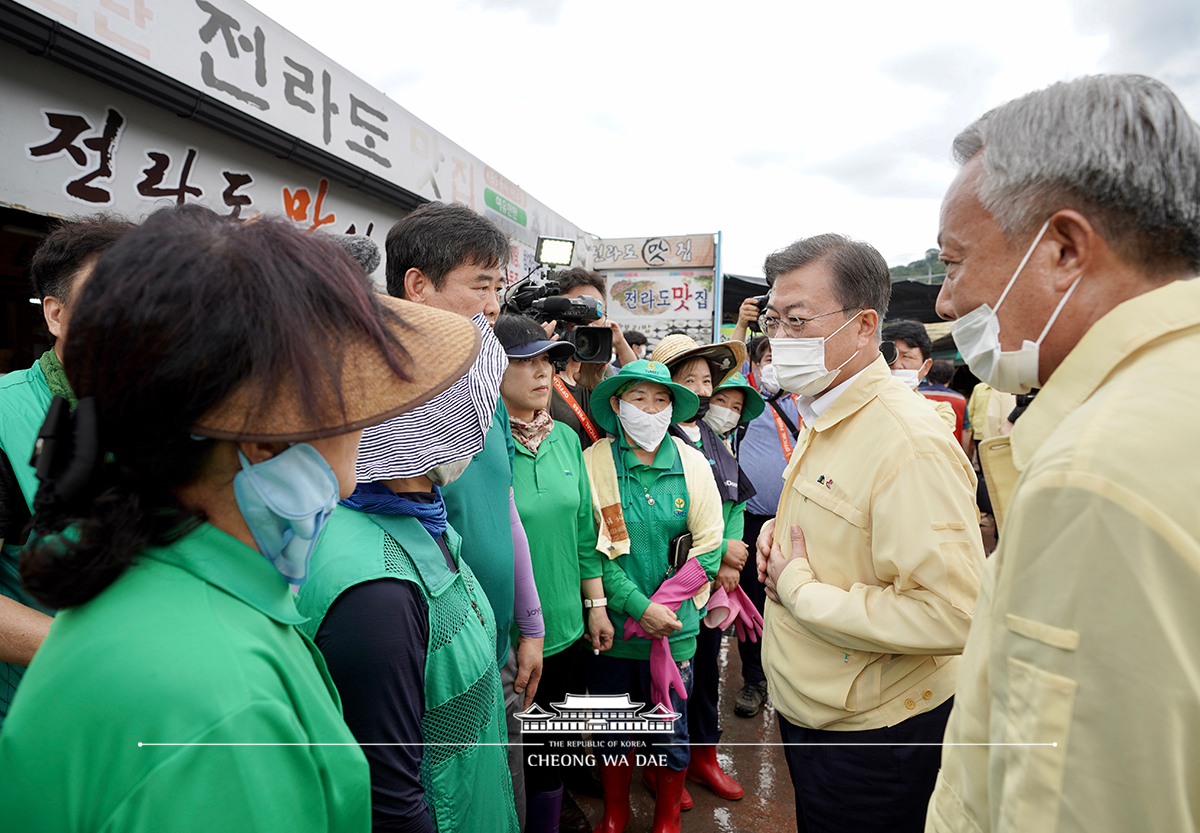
(527, 607)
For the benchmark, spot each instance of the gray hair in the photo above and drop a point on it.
(1120, 149)
(861, 279)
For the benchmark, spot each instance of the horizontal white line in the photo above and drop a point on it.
(600, 751)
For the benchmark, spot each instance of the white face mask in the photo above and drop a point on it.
(722, 419)
(445, 474)
(800, 362)
(977, 336)
(768, 377)
(644, 430)
(912, 378)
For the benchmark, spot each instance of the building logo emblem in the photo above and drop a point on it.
(598, 713)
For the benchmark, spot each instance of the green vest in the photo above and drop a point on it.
(24, 399)
(464, 763)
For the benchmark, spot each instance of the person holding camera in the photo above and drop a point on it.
(660, 532)
(571, 400)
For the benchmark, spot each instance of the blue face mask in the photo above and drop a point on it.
(286, 501)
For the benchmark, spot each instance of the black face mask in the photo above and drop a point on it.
(703, 409)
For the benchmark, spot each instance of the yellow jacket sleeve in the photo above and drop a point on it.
(1087, 660)
(927, 555)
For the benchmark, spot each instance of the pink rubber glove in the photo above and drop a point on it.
(672, 593)
(664, 674)
(721, 610)
(749, 622)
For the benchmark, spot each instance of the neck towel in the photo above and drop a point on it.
(377, 499)
(530, 434)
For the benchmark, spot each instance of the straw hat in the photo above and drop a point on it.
(725, 357)
(441, 346)
(754, 404)
(684, 403)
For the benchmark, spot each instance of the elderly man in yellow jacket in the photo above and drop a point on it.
(1071, 235)
(872, 566)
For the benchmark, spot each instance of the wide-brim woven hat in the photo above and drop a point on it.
(726, 357)
(754, 405)
(440, 347)
(451, 426)
(684, 403)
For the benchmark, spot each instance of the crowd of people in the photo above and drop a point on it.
(283, 552)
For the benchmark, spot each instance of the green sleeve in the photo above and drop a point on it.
(711, 561)
(622, 594)
(590, 559)
(288, 793)
(502, 417)
(735, 520)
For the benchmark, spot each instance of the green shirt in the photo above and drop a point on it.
(194, 644)
(631, 579)
(555, 504)
(24, 399)
(477, 506)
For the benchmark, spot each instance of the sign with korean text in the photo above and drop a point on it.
(692, 251)
(232, 52)
(75, 146)
(652, 297)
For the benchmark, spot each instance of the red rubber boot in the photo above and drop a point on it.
(666, 800)
(616, 779)
(648, 775)
(705, 770)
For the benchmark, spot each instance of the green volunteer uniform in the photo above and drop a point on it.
(477, 507)
(464, 764)
(24, 400)
(630, 580)
(194, 644)
(735, 523)
(555, 504)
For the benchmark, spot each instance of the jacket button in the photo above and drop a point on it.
(910, 704)
(927, 694)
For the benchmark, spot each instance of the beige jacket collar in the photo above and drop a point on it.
(1126, 328)
(864, 387)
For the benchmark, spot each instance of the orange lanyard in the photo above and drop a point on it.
(561, 387)
(785, 436)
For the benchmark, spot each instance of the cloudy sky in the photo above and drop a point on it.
(767, 121)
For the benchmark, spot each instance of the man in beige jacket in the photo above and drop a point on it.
(1079, 696)
(875, 566)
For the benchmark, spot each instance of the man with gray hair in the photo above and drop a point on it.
(872, 577)
(1070, 236)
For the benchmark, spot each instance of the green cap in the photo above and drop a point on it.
(684, 403)
(754, 404)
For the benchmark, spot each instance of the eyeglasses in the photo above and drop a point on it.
(771, 325)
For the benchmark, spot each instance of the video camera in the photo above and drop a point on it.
(537, 298)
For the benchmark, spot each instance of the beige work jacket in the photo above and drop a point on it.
(869, 623)
(1083, 663)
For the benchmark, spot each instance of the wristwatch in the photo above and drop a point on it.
(600, 602)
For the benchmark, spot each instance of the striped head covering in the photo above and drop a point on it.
(449, 427)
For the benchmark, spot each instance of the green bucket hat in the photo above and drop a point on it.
(754, 404)
(684, 403)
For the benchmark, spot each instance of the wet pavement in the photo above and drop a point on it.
(749, 752)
